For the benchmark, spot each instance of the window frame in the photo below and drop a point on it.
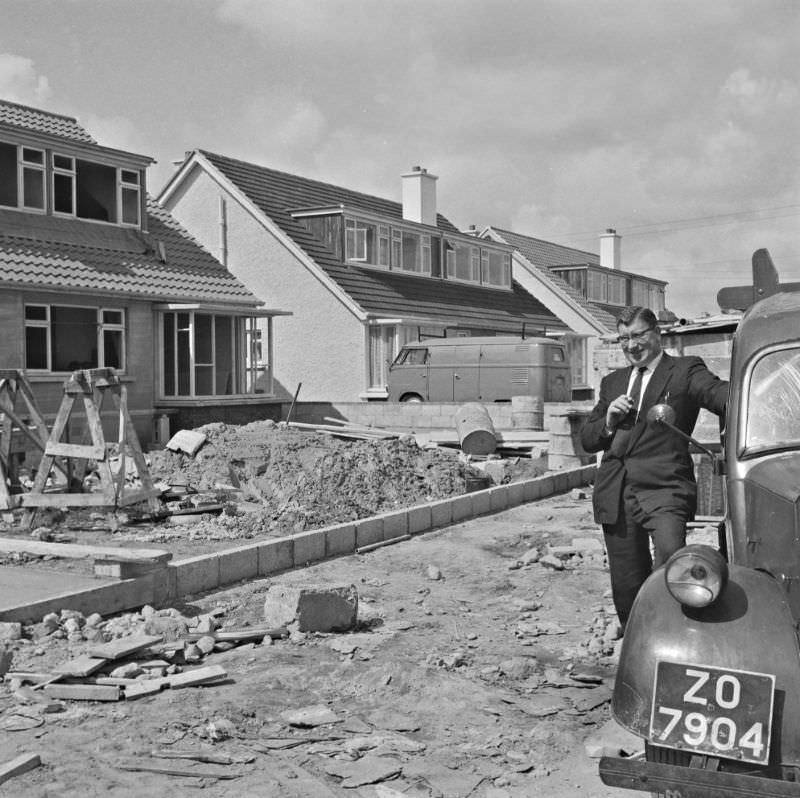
(23, 166)
(249, 356)
(102, 327)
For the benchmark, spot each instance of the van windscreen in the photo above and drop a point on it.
(417, 356)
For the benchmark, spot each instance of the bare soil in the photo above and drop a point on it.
(475, 670)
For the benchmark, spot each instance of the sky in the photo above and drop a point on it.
(674, 122)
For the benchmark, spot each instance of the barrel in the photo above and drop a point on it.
(527, 412)
(475, 429)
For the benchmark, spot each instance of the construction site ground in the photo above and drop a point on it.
(481, 663)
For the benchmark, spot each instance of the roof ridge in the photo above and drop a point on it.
(321, 183)
(542, 240)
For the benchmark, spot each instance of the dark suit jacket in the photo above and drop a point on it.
(651, 458)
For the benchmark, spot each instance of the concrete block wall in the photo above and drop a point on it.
(206, 572)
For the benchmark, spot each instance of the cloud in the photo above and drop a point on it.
(20, 83)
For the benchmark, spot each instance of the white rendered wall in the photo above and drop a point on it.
(322, 344)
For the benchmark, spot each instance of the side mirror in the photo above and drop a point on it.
(664, 414)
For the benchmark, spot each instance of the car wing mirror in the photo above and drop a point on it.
(664, 414)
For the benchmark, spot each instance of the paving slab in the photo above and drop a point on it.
(27, 585)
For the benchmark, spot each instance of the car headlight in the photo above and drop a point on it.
(696, 575)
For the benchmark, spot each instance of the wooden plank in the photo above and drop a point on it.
(198, 676)
(191, 772)
(124, 647)
(77, 551)
(21, 764)
(80, 666)
(143, 688)
(83, 692)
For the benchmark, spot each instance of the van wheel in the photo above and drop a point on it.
(411, 397)
(668, 756)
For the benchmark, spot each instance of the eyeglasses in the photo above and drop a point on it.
(637, 338)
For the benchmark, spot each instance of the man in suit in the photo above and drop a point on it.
(645, 487)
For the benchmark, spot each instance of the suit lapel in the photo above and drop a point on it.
(652, 394)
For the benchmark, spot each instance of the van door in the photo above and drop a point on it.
(408, 375)
(466, 374)
(440, 373)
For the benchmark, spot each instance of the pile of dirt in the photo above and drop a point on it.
(276, 480)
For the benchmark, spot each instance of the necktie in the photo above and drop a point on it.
(636, 392)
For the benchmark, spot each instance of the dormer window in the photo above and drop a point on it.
(33, 179)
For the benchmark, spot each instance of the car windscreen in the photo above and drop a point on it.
(773, 402)
(411, 357)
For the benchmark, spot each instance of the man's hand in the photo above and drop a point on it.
(618, 410)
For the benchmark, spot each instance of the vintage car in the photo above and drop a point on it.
(709, 671)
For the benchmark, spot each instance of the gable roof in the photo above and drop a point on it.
(76, 256)
(380, 293)
(543, 254)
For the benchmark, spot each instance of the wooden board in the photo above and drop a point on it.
(21, 764)
(76, 551)
(80, 666)
(124, 647)
(83, 692)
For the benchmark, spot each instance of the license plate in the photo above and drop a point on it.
(715, 711)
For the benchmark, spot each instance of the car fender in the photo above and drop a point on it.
(749, 628)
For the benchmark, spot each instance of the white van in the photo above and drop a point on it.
(489, 369)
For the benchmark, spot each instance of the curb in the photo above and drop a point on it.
(211, 571)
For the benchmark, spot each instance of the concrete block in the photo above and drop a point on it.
(441, 513)
(340, 539)
(187, 441)
(498, 498)
(369, 531)
(547, 486)
(275, 555)
(314, 609)
(561, 482)
(481, 502)
(533, 489)
(395, 524)
(309, 547)
(516, 494)
(419, 519)
(461, 507)
(196, 574)
(238, 564)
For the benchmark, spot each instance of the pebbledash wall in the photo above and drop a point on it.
(255, 560)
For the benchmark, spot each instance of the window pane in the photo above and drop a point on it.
(412, 256)
(63, 162)
(36, 312)
(112, 317)
(130, 206)
(223, 356)
(32, 156)
(112, 349)
(62, 194)
(184, 361)
(203, 380)
(128, 176)
(33, 188)
(35, 347)
(203, 338)
(169, 354)
(8, 175)
(96, 191)
(73, 338)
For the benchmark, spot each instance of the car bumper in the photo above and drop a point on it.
(686, 782)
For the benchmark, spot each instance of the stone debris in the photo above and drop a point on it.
(312, 609)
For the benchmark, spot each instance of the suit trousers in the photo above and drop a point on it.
(628, 546)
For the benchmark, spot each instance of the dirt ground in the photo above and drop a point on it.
(479, 666)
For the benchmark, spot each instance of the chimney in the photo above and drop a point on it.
(419, 196)
(610, 249)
